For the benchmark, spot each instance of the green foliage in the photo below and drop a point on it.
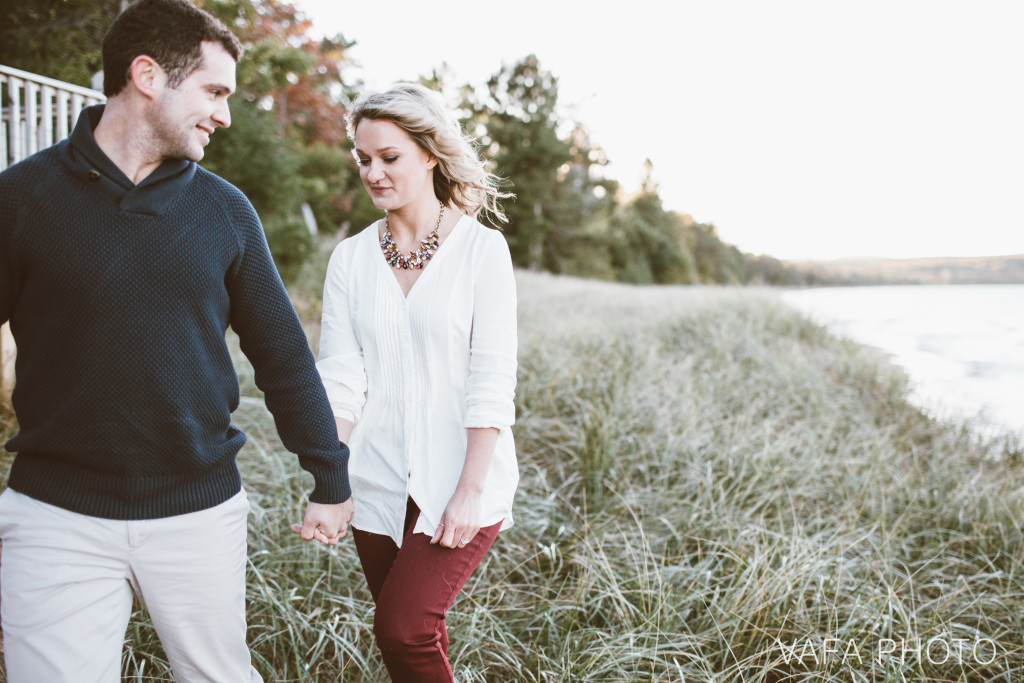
(566, 218)
(291, 243)
(326, 172)
(59, 39)
(253, 155)
(577, 241)
(717, 262)
(520, 126)
(288, 146)
(766, 270)
(264, 165)
(649, 244)
(334, 191)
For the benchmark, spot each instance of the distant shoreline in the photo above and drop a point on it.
(968, 270)
(959, 344)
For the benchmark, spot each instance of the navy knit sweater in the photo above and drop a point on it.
(119, 297)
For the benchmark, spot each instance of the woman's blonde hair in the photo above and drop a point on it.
(465, 180)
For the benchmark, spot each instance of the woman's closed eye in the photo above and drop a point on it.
(387, 160)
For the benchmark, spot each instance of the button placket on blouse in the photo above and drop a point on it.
(410, 382)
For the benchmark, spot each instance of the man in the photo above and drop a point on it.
(122, 263)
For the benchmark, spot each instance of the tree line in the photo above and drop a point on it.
(287, 147)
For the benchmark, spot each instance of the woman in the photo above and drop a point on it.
(418, 354)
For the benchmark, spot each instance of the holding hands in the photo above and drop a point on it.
(325, 523)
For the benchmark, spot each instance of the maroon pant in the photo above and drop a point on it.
(412, 588)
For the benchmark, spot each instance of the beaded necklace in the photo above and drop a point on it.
(416, 259)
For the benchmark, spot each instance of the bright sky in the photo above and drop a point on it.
(800, 128)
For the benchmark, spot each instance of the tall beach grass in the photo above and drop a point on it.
(713, 489)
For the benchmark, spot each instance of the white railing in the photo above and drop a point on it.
(37, 112)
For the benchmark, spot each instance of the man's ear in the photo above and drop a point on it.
(147, 75)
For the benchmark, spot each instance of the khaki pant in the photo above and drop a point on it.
(67, 582)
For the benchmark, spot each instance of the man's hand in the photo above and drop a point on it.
(325, 523)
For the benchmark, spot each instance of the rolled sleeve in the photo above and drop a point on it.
(340, 362)
(490, 388)
(345, 382)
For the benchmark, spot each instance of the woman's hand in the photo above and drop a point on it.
(460, 521)
(325, 523)
(462, 517)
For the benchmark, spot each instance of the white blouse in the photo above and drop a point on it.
(413, 373)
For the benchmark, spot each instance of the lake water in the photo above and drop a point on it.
(961, 345)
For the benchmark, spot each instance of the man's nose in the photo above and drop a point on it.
(222, 115)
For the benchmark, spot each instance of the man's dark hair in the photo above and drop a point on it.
(170, 31)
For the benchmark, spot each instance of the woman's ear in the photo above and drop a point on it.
(147, 75)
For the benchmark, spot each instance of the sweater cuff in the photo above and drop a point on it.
(331, 484)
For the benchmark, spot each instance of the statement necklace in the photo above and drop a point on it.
(416, 259)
